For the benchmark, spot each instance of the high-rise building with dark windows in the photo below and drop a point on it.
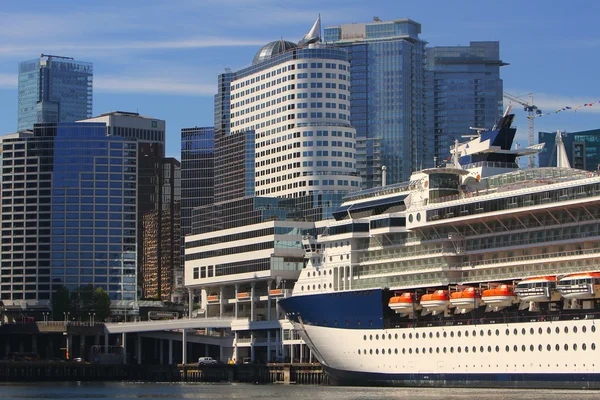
(582, 148)
(464, 90)
(387, 90)
(69, 214)
(54, 89)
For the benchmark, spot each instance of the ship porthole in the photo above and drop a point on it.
(557, 330)
(531, 331)
(474, 349)
(365, 337)
(507, 348)
(507, 332)
(410, 218)
(557, 347)
(395, 336)
(395, 351)
(593, 328)
(574, 329)
(583, 347)
(540, 331)
(566, 347)
(359, 352)
(515, 348)
(530, 347)
(566, 329)
(430, 335)
(583, 329)
(549, 348)
(403, 351)
(593, 345)
(575, 347)
(516, 332)
(549, 331)
(418, 216)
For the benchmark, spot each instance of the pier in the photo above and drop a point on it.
(302, 374)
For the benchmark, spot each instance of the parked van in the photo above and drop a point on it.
(206, 361)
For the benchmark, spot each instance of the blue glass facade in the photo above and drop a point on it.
(583, 149)
(387, 97)
(464, 90)
(68, 213)
(54, 89)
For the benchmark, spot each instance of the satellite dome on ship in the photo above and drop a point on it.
(272, 49)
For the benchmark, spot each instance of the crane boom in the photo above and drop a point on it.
(532, 110)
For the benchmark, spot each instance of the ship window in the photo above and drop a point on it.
(540, 331)
(481, 332)
(530, 347)
(365, 337)
(370, 337)
(382, 351)
(481, 349)
(437, 334)
(430, 335)
(396, 336)
(466, 333)
(531, 331)
(444, 349)
(548, 347)
(489, 349)
(593, 344)
(451, 349)
(583, 329)
(593, 328)
(404, 336)
(575, 347)
(523, 331)
(583, 347)
(302, 288)
(557, 330)
(523, 348)
(557, 347)
(416, 335)
(371, 351)
(459, 349)
(376, 337)
(515, 348)
(566, 329)
(444, 334)
(430, 350)
(451, 334)
(489, 332)
(410, 335)
(376, 351)
(410, 218)
(395, 351)
(459, 333)
(410, 351)
(358, 351)
(515, 331)
(418, 216)
(549, 330)
(314, 287)
(437, 350)
(474, 332)
(566, 347)
(403, 351)
(497, 349)
(507, 332)
(389, 336)
(574, 329)
(507, 348)
(474, 349)
(330, 286)
(497, 332)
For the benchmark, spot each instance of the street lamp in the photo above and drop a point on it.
(92, 317)
(67, 313)
(46, 316)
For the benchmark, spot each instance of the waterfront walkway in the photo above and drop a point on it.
(168, 325)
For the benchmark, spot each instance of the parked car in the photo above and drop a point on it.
(206, 361)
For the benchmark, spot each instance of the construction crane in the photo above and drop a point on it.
(532, 111)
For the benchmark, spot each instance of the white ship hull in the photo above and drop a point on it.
(540, 354)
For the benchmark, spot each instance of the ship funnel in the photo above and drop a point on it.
(383, 176)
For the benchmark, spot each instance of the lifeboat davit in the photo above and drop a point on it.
(465, 300)
(405, 304)
(537, 290)
(435, 302)
(585, 286)
(499, 297)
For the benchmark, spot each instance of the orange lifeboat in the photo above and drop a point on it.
(465, 300)
(435, 302)
(537, 290)
(499, 297)
(405, 303)
(584, 286)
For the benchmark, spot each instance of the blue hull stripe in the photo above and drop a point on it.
(483, 380)
(348, 310)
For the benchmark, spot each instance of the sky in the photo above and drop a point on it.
(162, 58)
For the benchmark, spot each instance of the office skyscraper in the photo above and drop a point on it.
(54, 89)
(69, 214)
(464, 90)
(388, 96)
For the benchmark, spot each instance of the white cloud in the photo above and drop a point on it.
(155, 84)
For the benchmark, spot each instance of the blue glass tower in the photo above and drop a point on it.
(54, 89)
(464, 90)
(387, 62)
(583, 149)
(69, 213)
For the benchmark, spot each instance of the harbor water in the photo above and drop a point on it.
(135, 390)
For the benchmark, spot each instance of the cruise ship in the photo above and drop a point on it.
(474, 274)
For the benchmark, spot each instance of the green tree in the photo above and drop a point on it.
(60, 303)
(101, 302)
